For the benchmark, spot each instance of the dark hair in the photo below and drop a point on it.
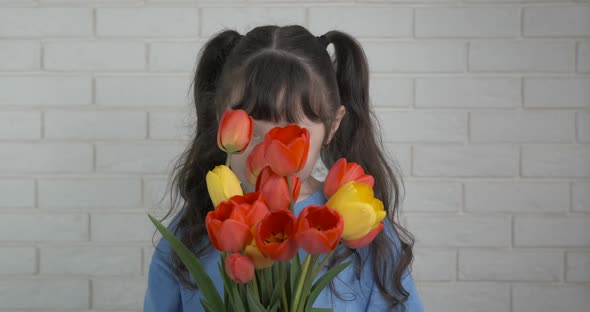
(275, 73)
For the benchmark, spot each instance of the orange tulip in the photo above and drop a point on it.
(239, 268)
(252, 207)
(275, 235)
(342, 172)
(275, 189)
(287, 149)
(255, 162)
(227, 227)
(318, 229)
(235, 131)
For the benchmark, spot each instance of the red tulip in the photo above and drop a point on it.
(239, 268)
(365, 240)
(342, 172)
(287, 149)
(319, 229)
(275, 189)
(252, 207)
(235, 131)
(255, 162)
(227, 227)
(275, 235)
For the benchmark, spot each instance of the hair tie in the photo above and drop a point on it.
(324, 40)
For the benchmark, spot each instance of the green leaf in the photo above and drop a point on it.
(253, 304)
(322, 282)
(195, 268)
(321, 310)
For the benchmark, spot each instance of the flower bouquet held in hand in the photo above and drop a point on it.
(258, 233)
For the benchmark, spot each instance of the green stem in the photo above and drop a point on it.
(302, 278)
(291, 204)
(255, 286)
(228, 159)
(282, 285)
(319, 268)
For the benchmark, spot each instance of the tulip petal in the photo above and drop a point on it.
(365, 240)
(215, 188)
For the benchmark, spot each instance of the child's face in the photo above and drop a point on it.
(316, 131)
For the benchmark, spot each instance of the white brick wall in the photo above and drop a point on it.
(485, 105)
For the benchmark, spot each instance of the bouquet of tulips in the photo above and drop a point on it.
(258, 234)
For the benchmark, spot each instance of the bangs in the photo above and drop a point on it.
(276, 87)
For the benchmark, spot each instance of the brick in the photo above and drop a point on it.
(20, 55)
(118, 293)
(18, 260)
(583, 126)
(464, 161)
(557, 92)
(460, 231)
(49, 90)
(481, 297)
(577, 264)
(391, 91)
(172, 125)
(90, 260)
(581, 196)
(516, 197)
(451, 92)
(432, 196)
(434, 265)
(45, 22)
(385, 21)
(521, 126)
(15, 125)
(156, 194)
(136, 157)
(556, 21)
(545, 298)
(244, 18)
(401, 156)
(142, 91)
(17, 193)
(565, 231)
(45, 157)
(524, 55)
(94, 56)
(43, 227)
(147, 22)
(510, 265)
(109, 227)
(117, 125)
(467, 22)
(436, 56)
(89, 193)
(421, 126)
(556, 160)
(583, 56)
(174, 56)
(44, 293)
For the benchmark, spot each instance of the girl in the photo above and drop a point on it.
(284, 75)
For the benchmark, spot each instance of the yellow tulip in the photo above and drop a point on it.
(222, 184)
(362, 212)
(260, 261)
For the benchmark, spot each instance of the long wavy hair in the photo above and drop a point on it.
(276, 73)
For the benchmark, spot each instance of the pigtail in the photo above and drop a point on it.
(188, 181)
(358, 141)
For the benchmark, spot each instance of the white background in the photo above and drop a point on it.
(484, 104)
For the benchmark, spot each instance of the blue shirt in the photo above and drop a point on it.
(164, 292)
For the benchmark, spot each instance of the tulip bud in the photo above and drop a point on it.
(222, 184)
(287, 149)
(235, 131)
(239, 268)
(343, 172)
(362, 212)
